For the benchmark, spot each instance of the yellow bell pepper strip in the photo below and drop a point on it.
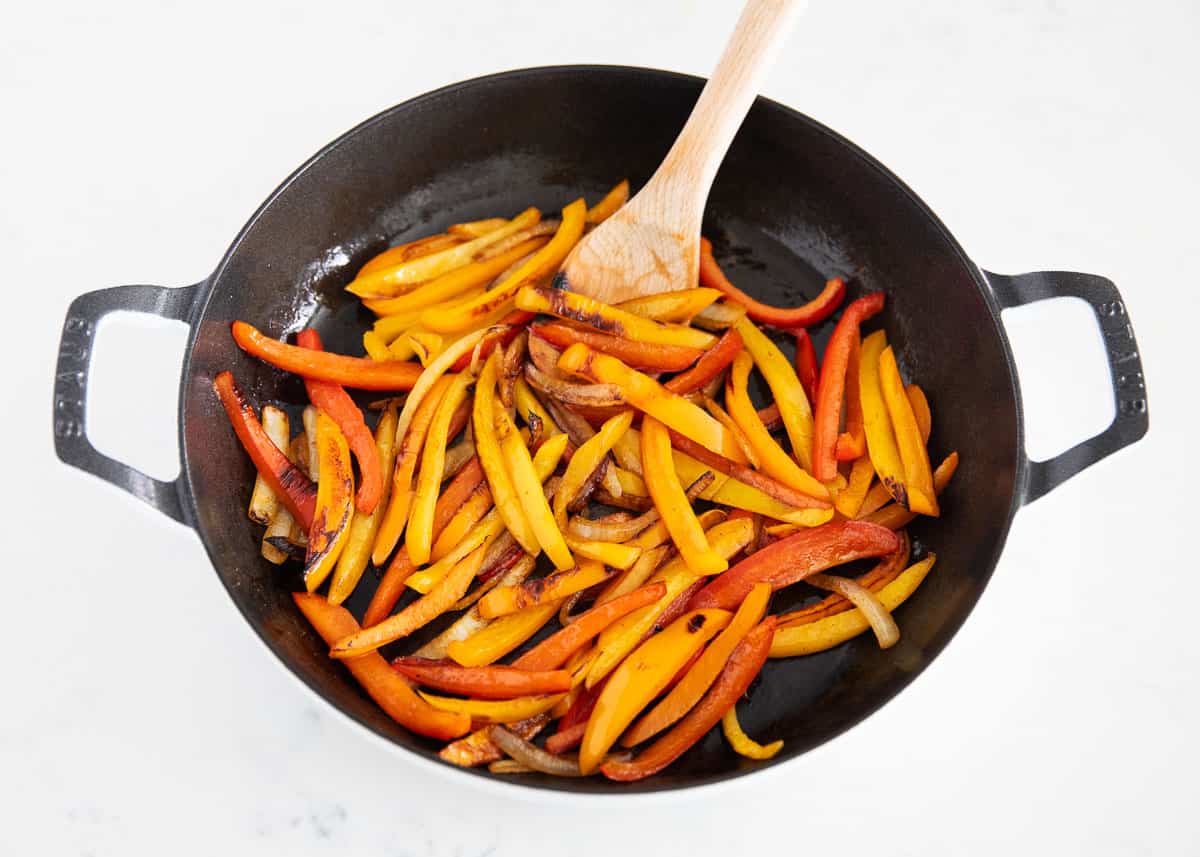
(382, 683)
(586, 459)
(722, 416)
(786, 389)
(353, 561)
(475, 228)
(775, 462)
(495, 710)
(425, 344)
(479, 749)
(483, 533)
(679, 306)
(469, 513)
(609, 205)
(401, 495)
(609, 319)
(555, 587)
(470, 622)
(393, 326)
(558, 648)
(619, 639)
(812, 637)
(501, 636)
(612, 554)
(647, 563)
(849, 501)
(672, 504)
(419, 613)
(894, 516)
(527, 404)
(884, 572)
(335, 503)
(375, 347)
(544, 263)
(699, 678)
(361, 373)
(418, 537)
(879, 496)
(393, 256)
(740, 671)
(453, 284)
(852, 443)
(877, 424)
(792, 559)
(395, 279)
(742, 743)
(646, 394)
(918, 475)
(642, 677)
(529, 493)
(487, 447)
(486, 682)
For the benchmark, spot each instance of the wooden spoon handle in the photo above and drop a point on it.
(756, 40)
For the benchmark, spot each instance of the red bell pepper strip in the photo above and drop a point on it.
(813, 312)
(583, 706)
(336, 402)
(486, 682)
(827, 415)
(852, 443)
(290, 485)
(515, 321)
(384, 685)
(740, 670)
(806, 363)
(360, 373)
(709, 366)
(677, 607)
(567, 739)
(757, 479)
(796, 557)
(639, 355)
(771, 418)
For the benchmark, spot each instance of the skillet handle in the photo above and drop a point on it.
(71, 385)
(1124, 363)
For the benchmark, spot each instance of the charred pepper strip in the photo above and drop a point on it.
(640, 355)
(484, 682)
(334, 508)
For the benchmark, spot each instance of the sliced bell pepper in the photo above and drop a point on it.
(740, 670)
(528, 486)
(470, 512)
(544, 263)
(336, 402)
(647, 563)
(361, 373)
(586, 460)
(555, 650)
(555, 587)
(852, 442)
(832, 386)
(811, 313)
(383, 684)
(879, 496)
(334, 508)
(612, 554)
(295, 490)
(877, 424)
(486, 682)
(894, 516)
(567, 739)
(918, 475)
(696, 682)
(792, 559)
(849, 501)
(884, 572)
(495, 710)
(609, 205)
(641, 677)
(785, 388)
(722, 416)
(663, 484)
(501, 636)
(411, 250)
(807, 369)
(374, 345)
(418, 534)
(639, 355)
(678, 306)
(709, 366)
(811, 637)
(609, 319)
(742, 743)
(475, 228)
(478, 747)
(506, 329)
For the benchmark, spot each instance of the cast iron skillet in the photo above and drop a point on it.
(794, 203)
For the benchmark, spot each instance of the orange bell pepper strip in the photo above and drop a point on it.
(678, 306)
(610, 204)
(486, 682)
(501, 636)
(528, 487)
(786, 389)
(567, 739)
(487, 447)
(479, 749)
(361, 373)
(774, 461)
(812, 313)
(639, 355)
(646, 394)
(470, 512)
(586, 459)
(852, 443)
(832, 386)
(336, 402)
(711, 364)
(641, 677)
(495, 710)
(918, 475)
(293, 488)
(609, 319)
(558, 648)
(418, 534)
(382, 683)
(410, 250)
(794, 558)
(740, 670)
(877, 424)
(555, 587)
(696, 682)
(475, 228)
(544, 263)
(672, 503)
(742, 743)
(849, 501)
(334, 508)
(894, 516)
(807, 369)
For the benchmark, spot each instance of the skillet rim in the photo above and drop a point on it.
(581, 789)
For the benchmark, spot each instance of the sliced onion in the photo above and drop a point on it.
(545, 356)
(596, 395)
(533, 756)
(611, 529)
(882, 623)
(509, 766)
(510, 366)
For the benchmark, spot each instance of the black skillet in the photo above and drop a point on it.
(793, 204)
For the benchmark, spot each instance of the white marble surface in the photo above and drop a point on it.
(141, 716)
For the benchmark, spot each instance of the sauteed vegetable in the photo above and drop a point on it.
(620, 443)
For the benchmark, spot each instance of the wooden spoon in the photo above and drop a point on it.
(653, 243)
